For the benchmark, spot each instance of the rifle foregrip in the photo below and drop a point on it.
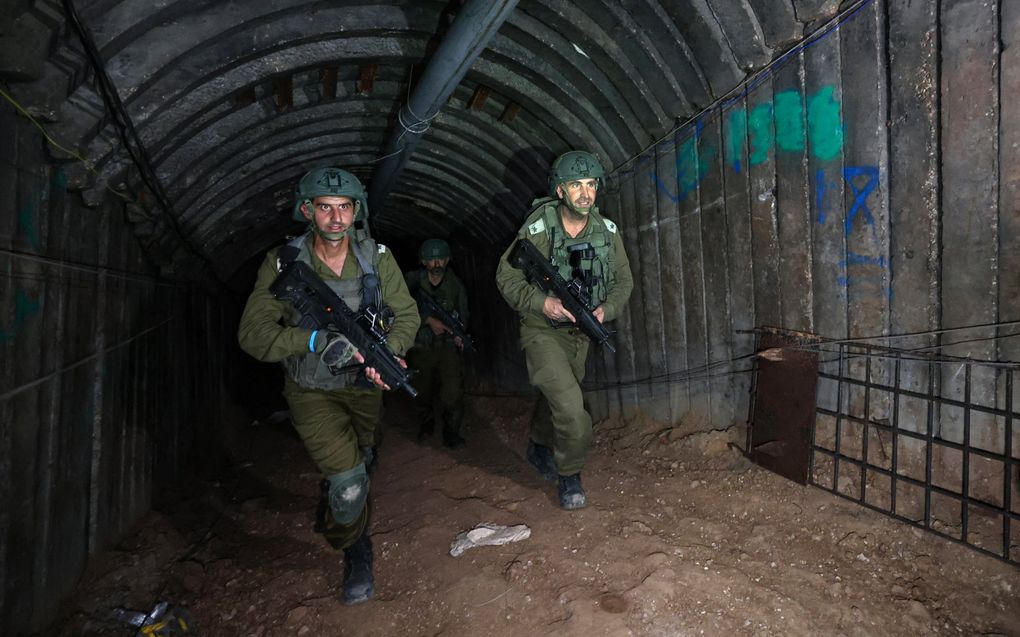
(389, 370)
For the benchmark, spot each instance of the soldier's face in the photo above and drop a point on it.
(435, 266)
(580, 193)
(332, 215)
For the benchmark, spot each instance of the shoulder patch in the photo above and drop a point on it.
(538, 226)
(610, 226)
(382, 248)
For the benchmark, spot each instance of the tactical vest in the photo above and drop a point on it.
(307, 369)
(593, 265)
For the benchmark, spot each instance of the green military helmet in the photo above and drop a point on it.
(574, 164)
(434, 249)
(331, 182)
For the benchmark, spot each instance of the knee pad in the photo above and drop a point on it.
(348, 492)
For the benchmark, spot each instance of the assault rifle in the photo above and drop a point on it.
(431, 307)
(525, 257)
(321, 308)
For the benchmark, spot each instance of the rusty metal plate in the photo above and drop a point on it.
(783, 409)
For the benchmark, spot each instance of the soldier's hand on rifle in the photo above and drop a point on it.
(599, 313)
(374, 376)
(459, 342)
(554, 310)
(438, 327)
(334, 349)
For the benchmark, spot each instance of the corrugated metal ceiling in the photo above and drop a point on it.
(233, 101)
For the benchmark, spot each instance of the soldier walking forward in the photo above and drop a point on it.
(585, 247)
(437, 350)
(335, 403)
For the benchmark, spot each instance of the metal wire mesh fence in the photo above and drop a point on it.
(930, 441)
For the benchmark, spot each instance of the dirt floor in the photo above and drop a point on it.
(681, 537)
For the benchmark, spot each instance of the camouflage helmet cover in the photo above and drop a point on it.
(575, 164)
(434, 249)
(330, 182)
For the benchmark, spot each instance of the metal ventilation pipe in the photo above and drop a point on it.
(475, 23)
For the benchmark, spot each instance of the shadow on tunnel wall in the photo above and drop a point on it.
(499, 365)
(254, 386)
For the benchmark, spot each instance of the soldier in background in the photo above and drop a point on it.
(437, 352)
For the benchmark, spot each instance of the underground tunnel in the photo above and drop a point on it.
(804, 416)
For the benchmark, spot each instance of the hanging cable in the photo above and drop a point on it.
(933, 332)
(91, 272)
(67, 151)
(918, 351)
(106, 350)
(125, 128)
(707, 371)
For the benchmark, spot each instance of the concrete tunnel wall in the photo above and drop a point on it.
(866, 183)
(114, 379)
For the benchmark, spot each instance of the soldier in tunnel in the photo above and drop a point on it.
(587, 248)
(335, 414)
(437, 350)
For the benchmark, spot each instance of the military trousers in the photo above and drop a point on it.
(439, 376)
(556, 361)
(334, 425)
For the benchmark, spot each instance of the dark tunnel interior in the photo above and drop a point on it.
(843, 171)
(205, 115)
(220, 108)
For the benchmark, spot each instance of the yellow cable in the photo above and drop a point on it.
(68, 151)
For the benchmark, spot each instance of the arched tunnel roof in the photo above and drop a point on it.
(233, 101)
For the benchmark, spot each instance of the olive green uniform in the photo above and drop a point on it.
(436, 359)
(556, 356)
(335, 422)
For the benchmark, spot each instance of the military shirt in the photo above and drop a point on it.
(263, 334)
(529, 299)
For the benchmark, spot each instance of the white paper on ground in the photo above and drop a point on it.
(488, 534)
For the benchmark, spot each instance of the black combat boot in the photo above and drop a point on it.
(451, 428)
(359, 583)
(425, 428)
(571, 493)
(541, 458)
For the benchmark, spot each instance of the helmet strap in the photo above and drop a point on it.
(314, 227)
(565, 200)
(575, 209)
(327, 236)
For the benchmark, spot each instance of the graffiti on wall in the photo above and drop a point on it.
(793, 122)
(28, 224)
(865, 266)
(693, 162)
(779, 125)
(773, 126)
(24, 308)
(28, 229)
